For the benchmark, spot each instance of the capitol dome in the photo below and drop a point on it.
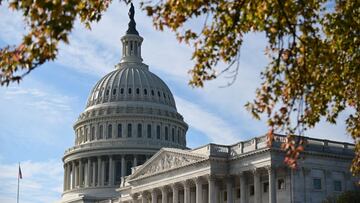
(130, 115)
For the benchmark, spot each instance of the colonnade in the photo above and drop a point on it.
(99, 171)
(206, 189)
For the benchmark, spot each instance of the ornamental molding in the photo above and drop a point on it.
(165, 160)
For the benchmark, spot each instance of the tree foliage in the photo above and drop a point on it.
(313, 46)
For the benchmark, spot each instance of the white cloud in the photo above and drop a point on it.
(40, 181)
(218, 130)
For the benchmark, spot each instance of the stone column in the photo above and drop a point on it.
(153, 196)
(123, 168)
(111, 171)
(164, 195)
(88, 177)
(242, 187)
(65, 172)
(229, 189)
(72, 175)
(212, 189)
(81, 174)
(187, 198)
(175, 191)
(99, 171)
(135, 161)
(94, 174)
(76, 175)
(198, 184)
(272, 185)
(257, 190)
(102, 172)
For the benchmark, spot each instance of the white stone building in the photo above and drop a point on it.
(130, 146)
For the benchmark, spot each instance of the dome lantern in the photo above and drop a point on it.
(131, 42)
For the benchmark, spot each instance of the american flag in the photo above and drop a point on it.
(20, 174)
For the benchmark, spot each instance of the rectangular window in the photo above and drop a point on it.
(337, 186)
(119, 133)
(139, 130)
(149, 131)
(158, 132)
(317, 183)
(281, 184)
(266, 187)
(129, 130)
(173, 134)
(166, 133)
(252, 190)
(238, 193)
(101, 132)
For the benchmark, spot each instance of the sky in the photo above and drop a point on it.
(37, 115)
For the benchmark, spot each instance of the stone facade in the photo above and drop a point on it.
(248, 171)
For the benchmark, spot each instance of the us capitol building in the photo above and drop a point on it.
(130, 146)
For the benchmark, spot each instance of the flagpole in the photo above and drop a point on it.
(18, 186)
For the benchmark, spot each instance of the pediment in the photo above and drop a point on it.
(167, 159)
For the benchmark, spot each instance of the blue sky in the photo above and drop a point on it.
(36, 117)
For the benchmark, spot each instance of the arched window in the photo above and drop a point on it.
(122, 91)
(137, 91)
(109, 134)
(119, 132)
(129, 90)
(129, 134)
(100, 132)
(139, 130)
(159, 94)
(152, 92)
(173, 134)
(93, 133)
(145, 92)
(114, 91)
(166, 133)
(164, 95)
(107, 92)
(149, 131)
(158, 132)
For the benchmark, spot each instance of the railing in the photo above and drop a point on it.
(313, 144)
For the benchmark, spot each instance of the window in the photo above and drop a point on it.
(114, 91)
(117, 172)
(137, 91)
(337, 186)
(129, 165)
(139, 130)
(281, 184)
(252, 190)
(238, 193)
(109, 134)
(122, 91)
(266, 187)
(158, 132)
(145, 92)
(159, 94)
(173, 134)
(178, 135)
(93, 133)
(149, 131)
(106, 171)
(107, 92)
(164, 95)
(166, 133)
(152, 92)
(225, 196)
(119, 133)
(129, 130)
(317, 183)
(129, 90)
(100, 132)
